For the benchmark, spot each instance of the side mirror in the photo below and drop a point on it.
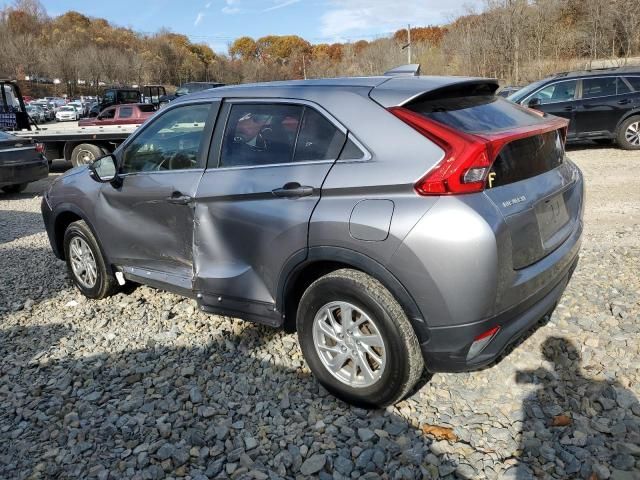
(534, 102)
(104, 169)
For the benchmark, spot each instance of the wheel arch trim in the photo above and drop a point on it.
(298, 263)
(64, 208)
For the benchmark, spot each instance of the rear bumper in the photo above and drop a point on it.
(23, 172)
(447, 347)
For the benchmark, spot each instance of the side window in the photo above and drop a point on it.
(635, 82)
(621, 86)
(556, 92)
(319, 139)
(598, 87)
(126, 112)
(108, 114)
(260, 134)
(173, 141)
(109, 96)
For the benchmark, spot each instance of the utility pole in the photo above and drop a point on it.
(409, 42)
(304, 67)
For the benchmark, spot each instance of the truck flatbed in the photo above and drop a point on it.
(78, 144)
(75, 133)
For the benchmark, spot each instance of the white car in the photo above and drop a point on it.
(67, 113)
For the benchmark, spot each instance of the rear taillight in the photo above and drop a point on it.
(467, 157)
(40, 147)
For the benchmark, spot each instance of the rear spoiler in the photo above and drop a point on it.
(411, 70)
(400, 91)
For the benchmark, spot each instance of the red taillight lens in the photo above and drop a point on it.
(468, 157)
(40, 147)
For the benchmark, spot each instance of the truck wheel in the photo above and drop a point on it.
(86, 265)
(85, 153)
(628, 135)
(357, 340)
(15, 188)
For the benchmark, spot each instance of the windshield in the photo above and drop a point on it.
(67, 109)
(526, 91)
(182, 91)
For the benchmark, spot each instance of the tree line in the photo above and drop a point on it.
(514, 40)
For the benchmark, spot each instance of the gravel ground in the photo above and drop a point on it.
(143, 385)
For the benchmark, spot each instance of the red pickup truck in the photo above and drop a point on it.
(124, 114)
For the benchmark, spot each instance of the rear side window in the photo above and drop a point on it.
(266, 134)
(319, 139)
(146, 108)
(603, 87)
(260, 134)
(476, 114)
(635, 82)
(126, 112)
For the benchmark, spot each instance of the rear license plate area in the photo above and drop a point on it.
(552, 215)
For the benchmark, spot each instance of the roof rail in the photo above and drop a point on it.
(411, 70)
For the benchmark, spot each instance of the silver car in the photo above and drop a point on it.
(396, 223)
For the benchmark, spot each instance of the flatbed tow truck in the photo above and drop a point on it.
(78, 145)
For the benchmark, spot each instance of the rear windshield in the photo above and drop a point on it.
(146, 108)
(476, 114)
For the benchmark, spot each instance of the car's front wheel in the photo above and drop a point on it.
(357, 340)
(628, 136)
(86, 263)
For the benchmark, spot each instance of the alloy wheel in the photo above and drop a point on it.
(632, 135)
(83, 263)
(349, 344)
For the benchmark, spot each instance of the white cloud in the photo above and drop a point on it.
(280, 4)
(230, 8)
(382, 16)
(198, 19)
(207, 5)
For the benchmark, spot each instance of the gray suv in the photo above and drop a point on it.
(396, 223)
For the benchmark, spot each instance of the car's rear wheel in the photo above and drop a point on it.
(86, 263)
(357, 340)
(17, 188)
(629, 134)
(85, 153)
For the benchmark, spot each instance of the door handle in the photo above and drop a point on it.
(293, 190)
(624, 101)
(178, 198)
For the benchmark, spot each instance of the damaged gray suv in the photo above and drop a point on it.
(396, 223)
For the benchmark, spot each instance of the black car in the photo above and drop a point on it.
(21, 162)
(601, 105)
(117, 96)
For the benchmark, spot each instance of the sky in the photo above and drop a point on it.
(219, 22)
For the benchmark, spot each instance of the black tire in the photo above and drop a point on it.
(105, 284)
(404, 362)
(621, 135)
(85, 153)
(17, 188)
